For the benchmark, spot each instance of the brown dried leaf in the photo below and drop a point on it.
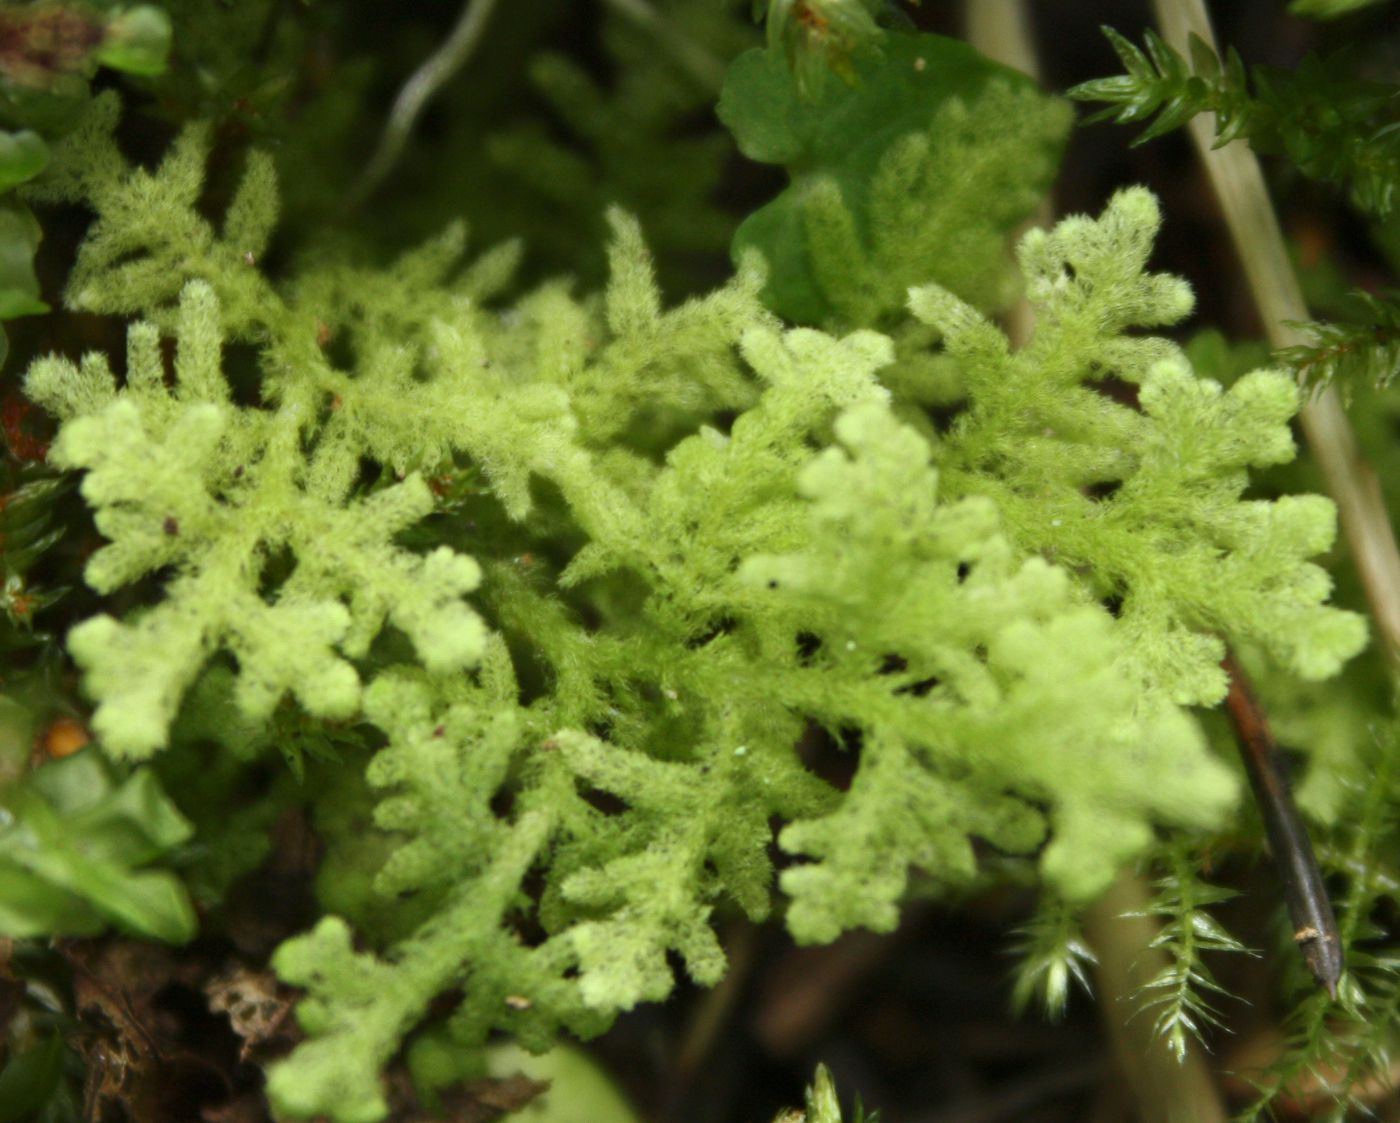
(140, 1055)
(256, 1004)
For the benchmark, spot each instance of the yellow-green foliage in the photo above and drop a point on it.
(1170, 539)
(591, 568)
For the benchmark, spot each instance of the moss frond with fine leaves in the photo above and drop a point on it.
(1333, 125)
(1052, 955)
(1363, 349)
(1179, 998)
(822, 1106)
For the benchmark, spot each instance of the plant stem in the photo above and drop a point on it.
(1314, 925)
(426, 81)
(1239, 185)
(713, 1011)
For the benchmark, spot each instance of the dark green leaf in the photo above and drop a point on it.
(50, 109)
(840, 138)
(19, 287)
(849, 126)
(1334, 126)
(23, 155)
(1363, 349)
(29, 1079)
(31, 908)
(75, 840)
(1160, 81)
(19, 558)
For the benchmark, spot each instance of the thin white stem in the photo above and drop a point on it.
(425, 82)
(1239, 185)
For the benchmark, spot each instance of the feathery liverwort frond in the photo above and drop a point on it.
(373, 1003)
(189, 484)
(665, 605)
(1170, 538)
(955, 735)
(185, 481)
(690, 728)
(149, 239)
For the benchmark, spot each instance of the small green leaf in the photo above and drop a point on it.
(1329, 9)
(30, 908)
(822, 1104)
(820, 37)
(154, 904)
(19, 238)
(73, 843)
(29, 1079)
(138, 41)
(23, 155)
(850, 126)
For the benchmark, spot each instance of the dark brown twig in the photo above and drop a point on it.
(1314, 926)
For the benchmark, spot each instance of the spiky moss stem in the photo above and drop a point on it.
(1165, 1089)
(1239, 185)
